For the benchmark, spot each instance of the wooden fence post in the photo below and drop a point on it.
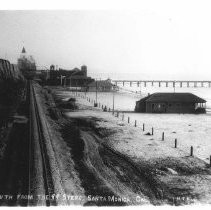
(152, 130)
(128, 119)
(135, 123)
(143, 127)
(163, 136)
(175, 145)
(191, 151)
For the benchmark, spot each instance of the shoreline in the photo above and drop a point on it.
(164, 172)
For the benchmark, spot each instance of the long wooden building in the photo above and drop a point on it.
(171, 103)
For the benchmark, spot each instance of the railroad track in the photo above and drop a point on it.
(38, 156)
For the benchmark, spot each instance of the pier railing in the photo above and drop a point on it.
(167, 83)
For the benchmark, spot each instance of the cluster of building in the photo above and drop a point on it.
(76, 77)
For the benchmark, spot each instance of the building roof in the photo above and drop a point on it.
(144, 99)
(101, 83)
(174, 97)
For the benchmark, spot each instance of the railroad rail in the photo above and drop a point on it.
(45, 181)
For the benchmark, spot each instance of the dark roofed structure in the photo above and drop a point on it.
(175, 97)
(171, 103)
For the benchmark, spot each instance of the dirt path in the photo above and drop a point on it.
(105, 172)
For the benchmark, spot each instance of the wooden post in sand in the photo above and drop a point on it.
(143, 127)
(135, 123)
(175, 145)
(123, 117)
(210, 160)
(152, 131)
(128, 119)
(191, 151)
(163, 136)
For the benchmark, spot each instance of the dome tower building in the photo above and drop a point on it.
(26, 63)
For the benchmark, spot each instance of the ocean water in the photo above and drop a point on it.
(125, 100)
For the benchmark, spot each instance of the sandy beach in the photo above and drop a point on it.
(167, 165)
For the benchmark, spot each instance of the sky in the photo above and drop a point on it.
(157, 41)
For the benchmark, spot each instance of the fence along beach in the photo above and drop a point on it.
(189, 130)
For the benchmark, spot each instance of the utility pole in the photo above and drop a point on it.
(64, 81)
(140, 88)
(95, 104)
(76, 83)
(96, 90)
(174, 86)
(113, 97)
(61, 79)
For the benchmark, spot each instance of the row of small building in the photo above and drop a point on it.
(78, 78)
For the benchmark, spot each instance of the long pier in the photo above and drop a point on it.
(167, 83)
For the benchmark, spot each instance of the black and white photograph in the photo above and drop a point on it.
(106, 106)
